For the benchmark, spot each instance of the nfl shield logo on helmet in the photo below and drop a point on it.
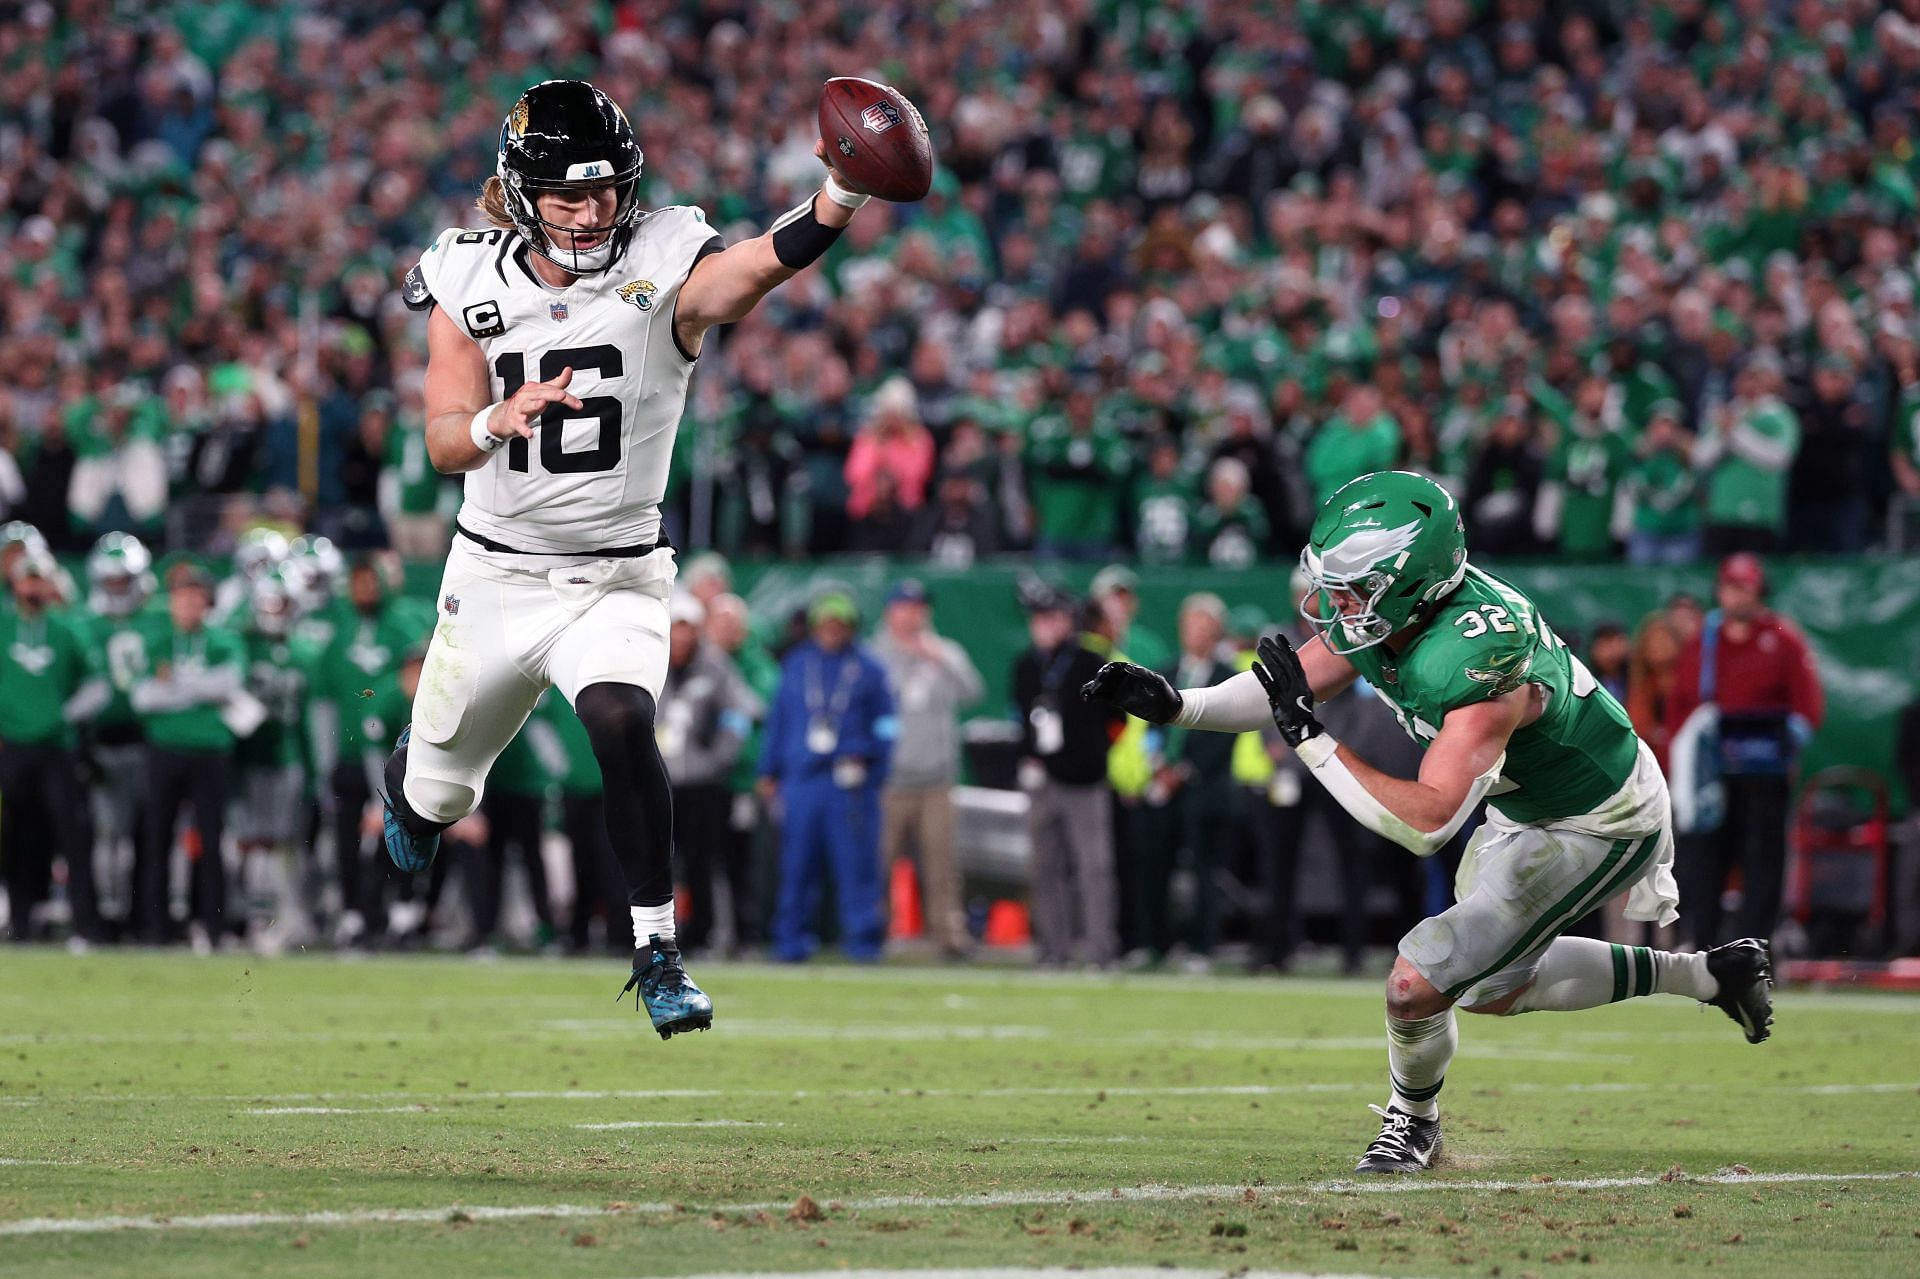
(558, 310)
(880, 117)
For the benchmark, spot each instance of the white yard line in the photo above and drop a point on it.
(676, 1123)
(263, 1103)
(1039, 1272)
(417, 1108)
(998, 1199)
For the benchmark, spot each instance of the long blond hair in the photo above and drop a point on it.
(492, 203)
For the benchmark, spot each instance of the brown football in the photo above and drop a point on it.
(876, 138)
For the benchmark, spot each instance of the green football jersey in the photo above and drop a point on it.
(120, 646)
(1486, 640)
(279, 669)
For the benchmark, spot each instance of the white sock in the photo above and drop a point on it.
(1417, 1055)
(653, 921)
(1579, 972)
(1675, 974)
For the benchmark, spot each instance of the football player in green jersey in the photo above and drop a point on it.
(120, 587)
(271, 774)
(1577, 809)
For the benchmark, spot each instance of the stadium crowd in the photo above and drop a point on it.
(1632, 280)
(263, 707)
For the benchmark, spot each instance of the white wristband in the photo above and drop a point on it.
(1316, 750)
(483, 439)
(841, 196)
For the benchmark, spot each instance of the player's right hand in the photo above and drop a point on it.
(520, 412)
(1135, 690)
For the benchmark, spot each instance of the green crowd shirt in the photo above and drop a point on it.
(43, 662)
(198, 727)
(582, 774)
(1074, 476)
(1162, 520)
(1589, 468)
(1665, 495)
(1342, 451)
(1745, 491)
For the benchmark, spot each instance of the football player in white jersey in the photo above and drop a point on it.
(560, 342)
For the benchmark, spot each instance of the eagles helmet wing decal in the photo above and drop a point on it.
(1360, 551)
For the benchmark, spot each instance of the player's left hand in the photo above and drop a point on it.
(826, 157)
(1278, 669)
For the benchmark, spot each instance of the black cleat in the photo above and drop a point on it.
(1744, 971)
(1407, 1143)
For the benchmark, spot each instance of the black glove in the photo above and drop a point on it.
(1135, 690)
(1279, 671)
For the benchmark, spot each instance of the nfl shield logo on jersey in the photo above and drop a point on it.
(558, 310)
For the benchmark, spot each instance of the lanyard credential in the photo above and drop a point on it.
(823, 718)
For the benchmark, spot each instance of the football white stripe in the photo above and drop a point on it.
(1000, 1199)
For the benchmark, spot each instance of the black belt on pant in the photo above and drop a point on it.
(600, 553)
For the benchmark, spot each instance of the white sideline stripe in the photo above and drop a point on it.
(416, 1109)
(1060, 1141)
(676, 1123)
(1038, 1272)
(32, 1163)
(998, 1199)
(907, 1093)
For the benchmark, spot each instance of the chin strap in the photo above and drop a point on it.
(1321, 756)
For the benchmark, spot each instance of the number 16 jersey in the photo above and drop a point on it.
(591, 477)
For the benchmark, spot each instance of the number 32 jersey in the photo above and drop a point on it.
(590, 477)
(1486, 640)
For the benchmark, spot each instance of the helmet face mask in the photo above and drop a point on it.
(566, 137)
(1385, 549)
(1346, 611)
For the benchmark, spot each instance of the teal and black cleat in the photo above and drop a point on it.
(410, 852)
(673, 1002)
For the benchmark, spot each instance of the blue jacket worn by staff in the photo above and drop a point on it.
(829, 743)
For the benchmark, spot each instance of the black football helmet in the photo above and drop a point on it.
(567, 135)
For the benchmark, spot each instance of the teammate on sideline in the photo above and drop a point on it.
(560, 342)
(1577, 808)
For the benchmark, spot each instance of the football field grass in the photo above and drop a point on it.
(162, 1116)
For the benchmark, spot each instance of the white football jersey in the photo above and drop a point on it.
(590, 477)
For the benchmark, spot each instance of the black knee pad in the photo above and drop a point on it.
(615, 712)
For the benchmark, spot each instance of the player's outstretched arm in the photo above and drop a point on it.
(1242, 704)
(1459, 767)
(464, 426)
(724, 286)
